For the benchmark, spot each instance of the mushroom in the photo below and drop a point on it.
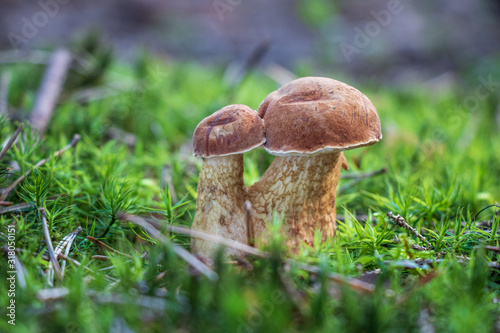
(221, 139)
(309, 122)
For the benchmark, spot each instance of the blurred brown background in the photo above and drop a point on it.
(382, 40)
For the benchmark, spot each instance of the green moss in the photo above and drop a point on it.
(442, 167)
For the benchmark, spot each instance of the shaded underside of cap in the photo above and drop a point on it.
(234, 129)
(314, 115)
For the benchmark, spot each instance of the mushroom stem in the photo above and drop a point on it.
(302, 189)
(220, 204)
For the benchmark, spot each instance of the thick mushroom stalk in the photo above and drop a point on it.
(221, 139)
(309, 122)
(220, 202)
(303, 189)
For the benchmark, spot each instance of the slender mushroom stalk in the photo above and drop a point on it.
(221, 139)
(308, 123)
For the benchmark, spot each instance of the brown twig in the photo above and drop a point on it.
(352, 175)
(492, 248)
(245, 248)
(100, 258)
(11, 141)
(4, 92)
(7, 191)
(16, 208)
(354, 283)
(50, 89)
(180, 251)
(214, 239)
(106, 247)
(25, 206)
(357, 178)
(402, 223)
(50, 248)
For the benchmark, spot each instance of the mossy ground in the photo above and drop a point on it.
(443, 167)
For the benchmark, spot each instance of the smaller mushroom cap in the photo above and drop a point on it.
(316, 114)
(234, 129)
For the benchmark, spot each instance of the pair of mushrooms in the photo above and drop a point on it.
(306, 124)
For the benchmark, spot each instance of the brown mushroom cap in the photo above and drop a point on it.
(316, 114)
(234, 129)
